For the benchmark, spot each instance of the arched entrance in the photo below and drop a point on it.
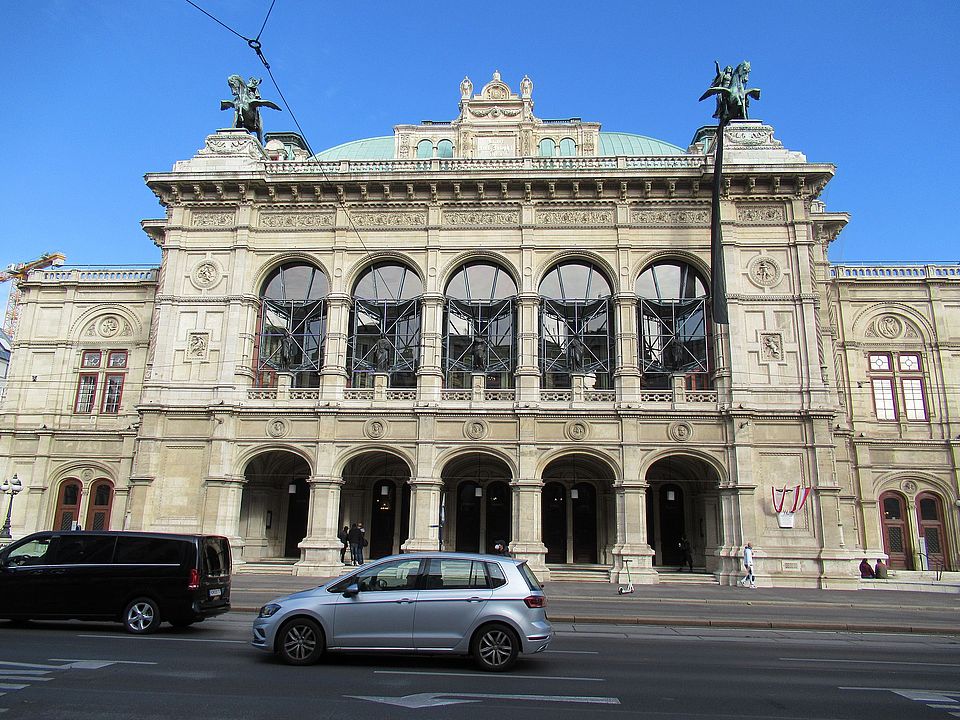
(275, 505)
(683, 501)
(477, 503)
(68, 505)
(376, 493)
(896, 534)
(101, 502)
(932, 532)
(575, 503)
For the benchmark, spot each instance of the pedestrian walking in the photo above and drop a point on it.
(343, 537)
(687, 553)
(749, 579)
(356, 540)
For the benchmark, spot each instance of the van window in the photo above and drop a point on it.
(85, 550)
(149, 551)
(34, 552)
(216, 556)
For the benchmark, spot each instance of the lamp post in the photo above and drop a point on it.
(11, 487)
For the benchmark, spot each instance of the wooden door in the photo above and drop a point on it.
(896, 533)
(68, 505)
(930, 523)
(101, 502)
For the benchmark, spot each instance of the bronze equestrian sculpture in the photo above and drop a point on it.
(246, 104)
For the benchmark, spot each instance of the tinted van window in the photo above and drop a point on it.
(150, 551)
(216, 556)
(85, 550)
(34, 552)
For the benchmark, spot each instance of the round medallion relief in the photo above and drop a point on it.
(764, 271)
(375, 429)
(109, 326)
(909, 486)
(206, 274)
(86, 474)
(889, 327)
(577, 430)
(277, 427)
(476, 429)
(680, 431)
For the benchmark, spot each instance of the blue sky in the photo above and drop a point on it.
(101, 92)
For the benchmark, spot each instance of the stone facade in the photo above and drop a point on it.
(208, 395)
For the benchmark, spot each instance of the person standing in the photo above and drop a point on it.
(687, 552)
(749, 579)
(355, 538)
(342, 536)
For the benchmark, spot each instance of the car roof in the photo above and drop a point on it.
(121, 533)
(454, 555)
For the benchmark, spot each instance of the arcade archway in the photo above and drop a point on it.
(477, 503)
(275, 505)
(376, 493)
(576, 503)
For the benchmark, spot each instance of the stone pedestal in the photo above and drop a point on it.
(320, 549)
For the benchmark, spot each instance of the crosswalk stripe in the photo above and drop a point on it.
(12, 686)
(16, 676)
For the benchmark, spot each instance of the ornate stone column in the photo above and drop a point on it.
(424, 514)
(528, 525)
(320, 549)
(430, 372)
(627, 374)
(632, 544)
(528, 362)
(334, 373)
(221, 510)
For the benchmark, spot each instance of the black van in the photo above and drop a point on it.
(139, 579)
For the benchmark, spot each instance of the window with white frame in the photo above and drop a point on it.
(896, 381)
(104, 369)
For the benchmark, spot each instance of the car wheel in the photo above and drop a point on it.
(300, 642)
(495, 648)
(142, 616)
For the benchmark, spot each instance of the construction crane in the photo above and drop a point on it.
(17, 272)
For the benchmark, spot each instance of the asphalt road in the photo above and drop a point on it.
(80, 671)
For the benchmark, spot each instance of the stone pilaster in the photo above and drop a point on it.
(627, 374)
(528, 362)
(631, 504)
(430, 372)
(334, 372)
(320, 549)
(528, 525)
(221, 509)
(424, 514)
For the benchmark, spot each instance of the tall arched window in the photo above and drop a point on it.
(673, 325)
(445, 149)
(576, 330)
(424, 149)
(385, 326)
(547, 147)
(568, 147)
(480, 326)
(293, 320)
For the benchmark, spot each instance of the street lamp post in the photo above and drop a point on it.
(11, 487)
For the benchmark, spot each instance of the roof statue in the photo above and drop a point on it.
(732, 95)
(246, 104)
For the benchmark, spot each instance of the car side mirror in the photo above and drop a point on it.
(351, 590)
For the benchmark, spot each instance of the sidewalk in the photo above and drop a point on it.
(874, 611)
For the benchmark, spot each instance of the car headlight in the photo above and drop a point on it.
(268, 610)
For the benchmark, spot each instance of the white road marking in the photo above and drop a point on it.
(171, 639)
(486, 676)
(871, 662)
(926, 696)
(23, 678)
(30, 665)
(73, 662)
(421, 700)
(571, 652)
(12, 686)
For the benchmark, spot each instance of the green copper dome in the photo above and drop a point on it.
(611, 143)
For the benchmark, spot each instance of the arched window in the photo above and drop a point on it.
(568, 147)
(576, 329)
(673, 325)
(68, 505)
(385, 326)
(480, 323)
(547, 147)
(445, 149)
(424, 149)
(101, 501)
(292, 325)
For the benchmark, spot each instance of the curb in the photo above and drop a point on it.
(729, 624)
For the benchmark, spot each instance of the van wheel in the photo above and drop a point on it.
(495, 647)
(142, 616)
(300, 642)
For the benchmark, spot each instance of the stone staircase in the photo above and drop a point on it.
(267, 566)
(579, 573)
(670, 576)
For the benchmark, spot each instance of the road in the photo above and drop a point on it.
(77, 671)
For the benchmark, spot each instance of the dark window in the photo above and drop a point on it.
(216, 556)
(454, 574)
(85, 550)
(71, 494)
(891, 509)
(86, 391)
(395, 575)
(928, 509)
(150, 551)
(102, 495)
(112, 392)
(531, 579)
(495, 575)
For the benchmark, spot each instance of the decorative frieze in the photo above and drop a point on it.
(463, 218)
(761, 214)
(108, 326)
(388, 220)
(672, 217)
(219, 219)
(296, 221)
(575, 217)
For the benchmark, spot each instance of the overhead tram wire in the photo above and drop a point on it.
(257, 47)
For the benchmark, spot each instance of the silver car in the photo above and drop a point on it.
(487, 606)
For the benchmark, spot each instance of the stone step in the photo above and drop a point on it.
(672, 577)
(579, 573)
